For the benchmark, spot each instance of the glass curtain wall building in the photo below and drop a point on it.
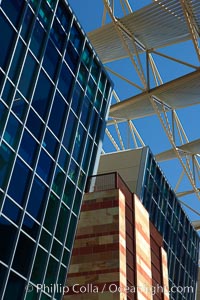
(54, 99)
(181, 240)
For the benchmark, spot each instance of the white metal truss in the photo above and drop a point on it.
(140, 36)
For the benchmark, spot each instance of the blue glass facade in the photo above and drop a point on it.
(54, 99)
(181, 241)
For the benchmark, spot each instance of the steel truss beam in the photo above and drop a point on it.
(167, 115)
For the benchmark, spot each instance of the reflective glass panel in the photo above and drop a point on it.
(23, 255)
(51, 213)
(65, 81)
(71, 231)
(27, 23)
(63, 221)
(70, 131)
(63, 15)
(79, 143)
(42, 95)
(30, 226)
(34, 124)
(44, 167)
(6, 161)
(51, 273)
(37, 199)
(58, 35)
(12, 211)
(69, 193)
(77, 202)
(37, 39)
(76, 37)
(3, 272)
(57, 116)
(45, 239)
(63, 159)
(18, 184)
(13, 9)
(38, 267)
(8, 234)
(72, 57)
(61, 280)
(6, 39)
(27, 76)
(77, 99)
(15, 286)
(59, 180)
(28, 148)
(56, 249)
(86, 111)
(19, 107)
(50, 143)
(51, 59)
(8, 92)
(3, 116)
(17, 61)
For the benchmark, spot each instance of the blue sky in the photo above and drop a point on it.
(89, 14)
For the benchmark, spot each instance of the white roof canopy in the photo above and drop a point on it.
(157, 25)
(178, 93)
(190, 148)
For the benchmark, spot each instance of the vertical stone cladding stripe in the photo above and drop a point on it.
(156, 262)
(143, 252)
(122, 246)
(98, 257)
(165, 276)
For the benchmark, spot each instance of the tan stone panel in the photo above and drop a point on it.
(104, 216)
(143, 250)
(141, 296)
(82, 297)
(123, 279)
(165, 276)
(111, 211)
(143, 243)
(94, 278)
(95, 257)
(144, 266)
(100, 264)
(121, 200)
(86, 242)
(108, 296)
(98, 229)
(141, 219)
(141, 213)
(101, 195)
(122, 240)
(97, 240)
(109, 277)
(143, 280)
(108, 239)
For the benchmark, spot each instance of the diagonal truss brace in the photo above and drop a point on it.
(166, 125)
(193, 28)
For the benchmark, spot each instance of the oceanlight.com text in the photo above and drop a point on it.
(107, 287)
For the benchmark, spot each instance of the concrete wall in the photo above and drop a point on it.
(126, 163)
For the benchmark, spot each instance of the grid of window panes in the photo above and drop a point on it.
(181, 241)
(54, 97)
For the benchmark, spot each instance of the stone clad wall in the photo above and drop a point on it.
(118, 253)
(99, 255)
